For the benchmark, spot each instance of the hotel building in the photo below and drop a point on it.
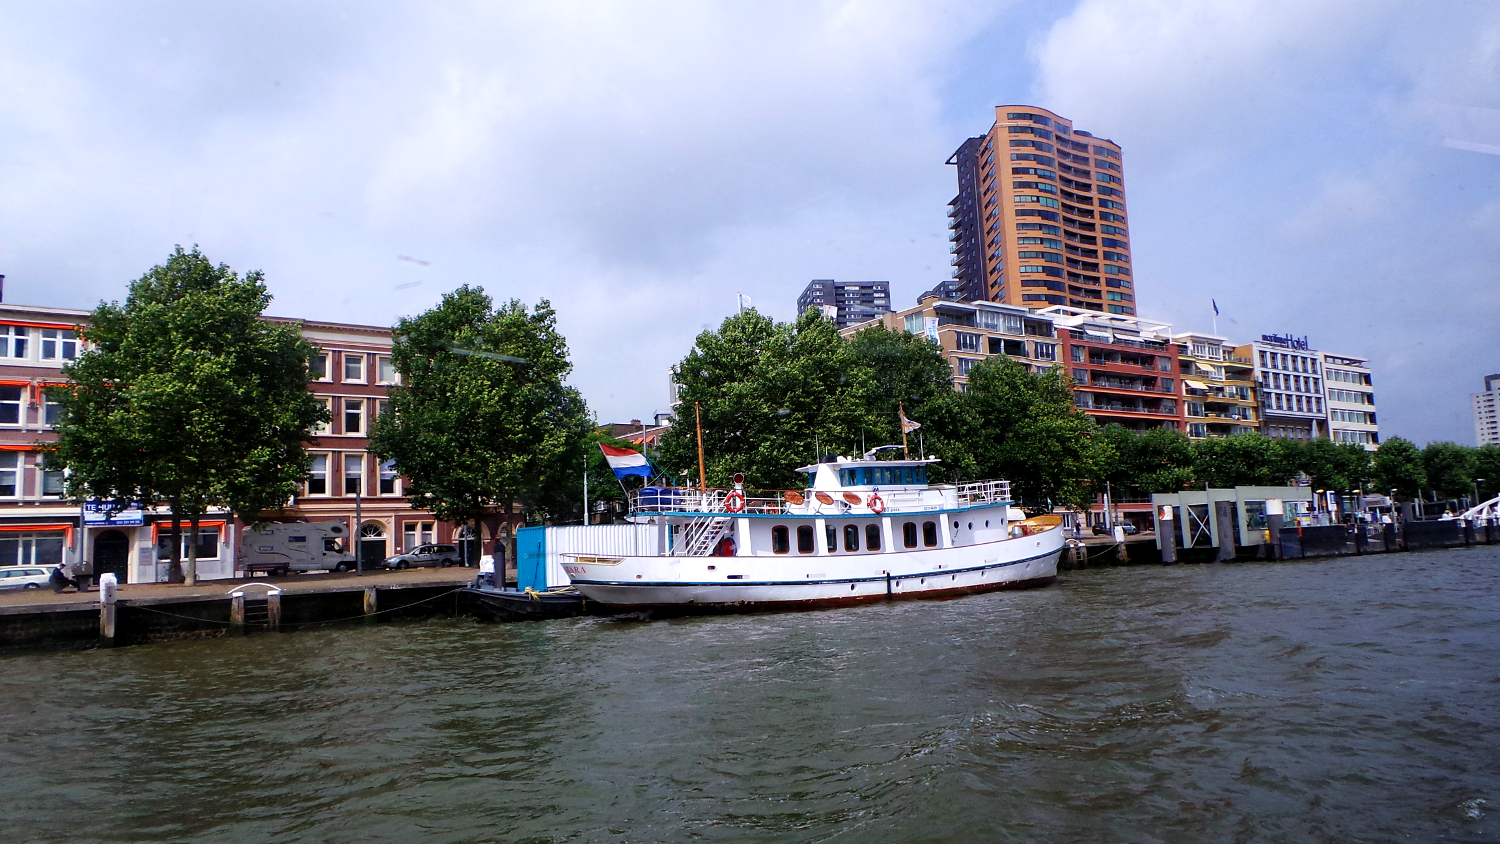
(1349, 392)
(1040, 216)
(1487, 412)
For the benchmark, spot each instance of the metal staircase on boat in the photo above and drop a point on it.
(699, 536)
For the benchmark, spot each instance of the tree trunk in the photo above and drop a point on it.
(174, 571)
(192, 563)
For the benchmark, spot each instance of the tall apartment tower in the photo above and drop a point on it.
(1039, 218)
(847, 302)
(1487, 412)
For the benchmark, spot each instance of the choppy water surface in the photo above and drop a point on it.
(1341, 700)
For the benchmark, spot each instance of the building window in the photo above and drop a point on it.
(59, 342)
(909, 534)
(208, 543)
(354, 367)
(317, 475)
(417, 534)
(354, 416)
(10, 474)
(388, 477)
(851, 537)
(324, 427)
(318, 366)
(51, 411)
(52, 480)
(872, 537)
(13, 339)
(804, 539)
(1046, 351)
(31, 549)
(781, 542)
(385, 370)
(10, 405)
(963, 365)
(929, 534)
(966, 342)
(354, 474)
(1079, 354)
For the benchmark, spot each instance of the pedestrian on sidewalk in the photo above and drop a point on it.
(61, 579)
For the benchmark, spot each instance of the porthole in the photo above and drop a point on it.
(971, 525)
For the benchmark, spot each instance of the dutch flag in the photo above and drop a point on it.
(624, 462)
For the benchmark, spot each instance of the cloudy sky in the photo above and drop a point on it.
(1319, 167)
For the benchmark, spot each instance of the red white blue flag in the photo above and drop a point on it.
(625, 462)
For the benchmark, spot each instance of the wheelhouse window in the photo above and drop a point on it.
(781, 541)
(872, 537)
(929, 534)
(833, 538)
(805, 539)
(851, 537)
(909, 534)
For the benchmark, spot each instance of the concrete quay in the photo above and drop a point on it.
(155, 612)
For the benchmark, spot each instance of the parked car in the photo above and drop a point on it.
(23, 578)
(425, 555)
(1130, 529)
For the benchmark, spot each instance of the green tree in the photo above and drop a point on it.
(1335, 466)
(1449, 468)
(1487, 471)
(1398, 466)
(1025, 428)
(771, 396)
(900, 370)
(481, 418)
(1243, 460)
(188, 398)
(1157, 460)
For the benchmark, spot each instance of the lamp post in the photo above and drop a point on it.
(359, 545)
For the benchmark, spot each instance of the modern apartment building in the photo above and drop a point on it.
(1040, 216)
(969, 332)
(38, 527)
(1218, 387)
(1125, 369)
(1487, 412)
(851, 302)
(1349, 392)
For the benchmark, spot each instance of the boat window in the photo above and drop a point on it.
(780, 540)
(805, 539)
(909, 534)
(846, 477)
(833, 539)
(851, 537)
(929, 534)
(872, 537)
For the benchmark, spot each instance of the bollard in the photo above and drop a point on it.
(370, 603)
(1224, 518)
(1361, 541)
(1274, 522)
(1468, 531)
(107, 585)
(273, 611)
(1388, 536)
(236, 615)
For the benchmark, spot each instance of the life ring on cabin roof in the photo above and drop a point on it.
(876, 503)
(734, 502)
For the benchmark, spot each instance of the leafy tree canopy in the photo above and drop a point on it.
(1449, 468)
(1157, 460)
(482, 418)
(188, 398)
(1398, 466)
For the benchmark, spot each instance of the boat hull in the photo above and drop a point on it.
(519, 606)
(740, 584)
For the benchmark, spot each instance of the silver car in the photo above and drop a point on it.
(425, 555)
(24, 577)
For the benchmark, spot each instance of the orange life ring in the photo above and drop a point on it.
(734, 502)
(877, 504)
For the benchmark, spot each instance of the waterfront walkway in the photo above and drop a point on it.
(290, 584)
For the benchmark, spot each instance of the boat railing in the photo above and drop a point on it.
(984, 492)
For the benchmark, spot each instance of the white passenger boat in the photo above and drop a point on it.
(863, 530)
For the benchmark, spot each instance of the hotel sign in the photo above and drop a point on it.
(1287, 341)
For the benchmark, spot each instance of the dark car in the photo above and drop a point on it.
(425, 555)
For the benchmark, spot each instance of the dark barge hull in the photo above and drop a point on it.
(521, 606)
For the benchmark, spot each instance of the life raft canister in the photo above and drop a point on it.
(876, 503)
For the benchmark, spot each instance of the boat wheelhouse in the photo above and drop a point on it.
(862, 529)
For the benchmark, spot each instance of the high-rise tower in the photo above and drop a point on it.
(1040, 216)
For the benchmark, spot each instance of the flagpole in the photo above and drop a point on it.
(702, 473)
(905, 452)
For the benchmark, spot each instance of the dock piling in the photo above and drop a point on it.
(370, 604)
(107, 610)
(236, 615)
(273, 611)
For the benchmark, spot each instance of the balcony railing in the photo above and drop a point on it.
(1125, 408)
(1111, 384)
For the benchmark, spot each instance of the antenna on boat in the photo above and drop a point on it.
(702, 473)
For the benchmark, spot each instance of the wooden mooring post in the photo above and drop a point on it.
(370, 604)
(273, 611)
(236, 615)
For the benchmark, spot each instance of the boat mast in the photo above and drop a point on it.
(702, 474)
(901, 409)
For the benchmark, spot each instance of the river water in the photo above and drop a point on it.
(1338, 700)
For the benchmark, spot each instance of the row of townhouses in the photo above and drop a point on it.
(353, 373)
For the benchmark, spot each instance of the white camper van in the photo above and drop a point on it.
(298, 546)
